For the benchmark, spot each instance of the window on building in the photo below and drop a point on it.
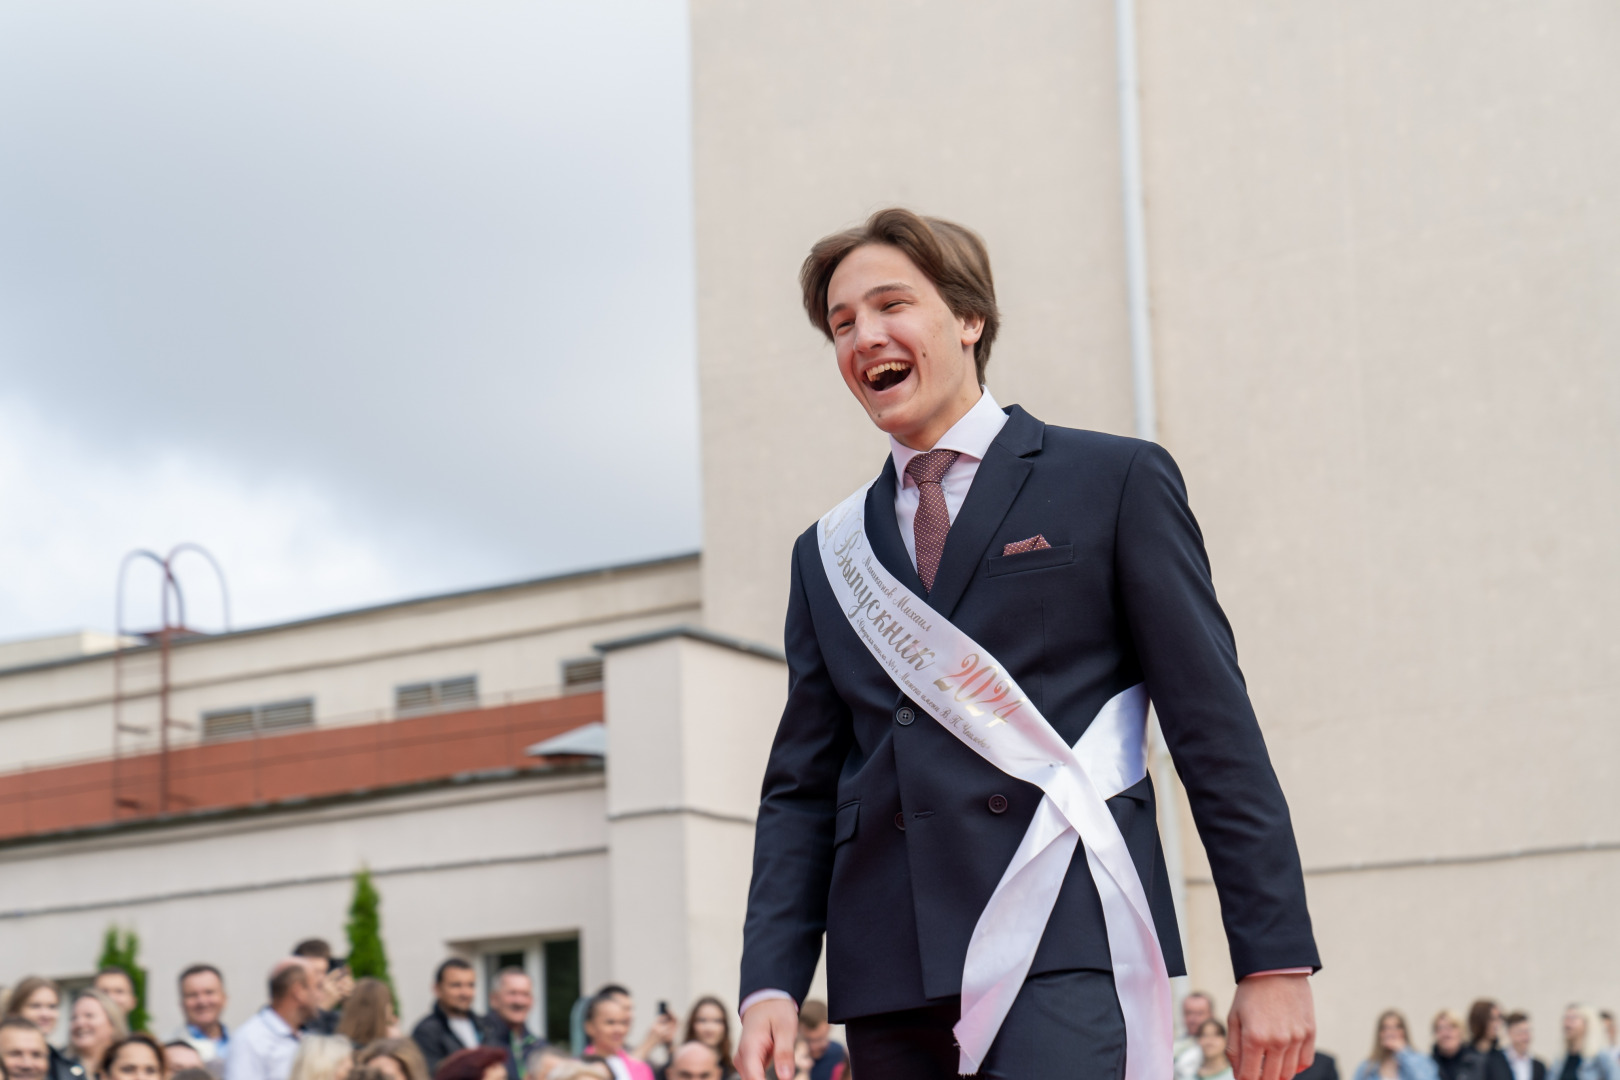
(582, 675)
(552, 964)
(258, 719)
(441, 695)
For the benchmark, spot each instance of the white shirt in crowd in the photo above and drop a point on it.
(262, 1049)
(465, 1030)
(1520, 1065)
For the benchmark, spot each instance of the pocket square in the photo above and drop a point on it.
(1018, 547)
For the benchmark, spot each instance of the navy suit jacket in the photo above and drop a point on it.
(879, 828)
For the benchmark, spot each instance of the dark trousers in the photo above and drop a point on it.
(1062, 1024)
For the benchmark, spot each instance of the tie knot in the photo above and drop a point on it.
(930, 468)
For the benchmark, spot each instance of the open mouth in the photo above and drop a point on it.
(883, 376)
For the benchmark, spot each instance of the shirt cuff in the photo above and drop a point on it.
(1279, 971)
(763, 995)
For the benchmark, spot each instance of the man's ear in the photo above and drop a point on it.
(972, 329)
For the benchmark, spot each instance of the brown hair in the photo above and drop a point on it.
(813, 1013)
(365, 1014)
(954, 258)
(139, 1038)
(1517, 1016)
(1211, 1022)
(1479, 1020)
(28, 988)
(724, 1049)
(1379, 1054)
(470, 1064)
(403, 1051)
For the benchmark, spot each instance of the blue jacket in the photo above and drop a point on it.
(1409, 1065)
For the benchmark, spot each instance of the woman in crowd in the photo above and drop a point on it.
(368, 1015)
(323, 1057)
(1583, 1057)
(478, 1063)
(133, 1057)
(96, 1023)
(397, 1059)
(710, 1024)
(607, 1025)
(1212, 1041)
(1392, 1055)
(1453, 1058)
(38, 1000)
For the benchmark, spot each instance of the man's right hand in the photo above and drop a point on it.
(769, 1030)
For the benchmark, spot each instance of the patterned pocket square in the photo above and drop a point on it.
(1034, 543)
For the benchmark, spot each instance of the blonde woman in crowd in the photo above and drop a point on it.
(96, 1023)
(39, 1001)
(323, 1057)
(368, 1015)
(1392, 1055)
(1583, 1057)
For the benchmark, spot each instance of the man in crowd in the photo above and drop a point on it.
(263, 1048)
(333, 985)
(1525, 1066)
(507, 1024)
(179, 1054)
(24, 1054)
(452, 1025)
(695, 1061)
(202, 1000)
(817, 1033)
(117, 985)
(1196, 1007)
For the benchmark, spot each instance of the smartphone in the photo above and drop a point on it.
(663, 1009)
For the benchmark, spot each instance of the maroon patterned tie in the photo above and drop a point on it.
(933, 519)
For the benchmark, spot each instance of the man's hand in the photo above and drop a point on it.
(769, 1030)
(1271, 1030)
(335, 988)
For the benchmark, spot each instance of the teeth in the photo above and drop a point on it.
(893, 365)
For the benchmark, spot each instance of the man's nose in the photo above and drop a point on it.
(869, 333)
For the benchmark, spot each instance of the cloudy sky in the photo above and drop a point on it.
(373, 299)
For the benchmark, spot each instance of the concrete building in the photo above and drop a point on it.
(1382, 256)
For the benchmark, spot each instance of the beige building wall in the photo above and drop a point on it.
(1384, 247)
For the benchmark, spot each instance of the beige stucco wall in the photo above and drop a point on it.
(1384, 250)
(807, 117)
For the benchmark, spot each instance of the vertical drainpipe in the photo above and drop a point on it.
(1146, 409)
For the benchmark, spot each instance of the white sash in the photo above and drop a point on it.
(960, 685)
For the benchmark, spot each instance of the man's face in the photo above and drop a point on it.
(202, 997)
(1194, 1011)
(457, 990)
(513, 997)
(817, 1037)
(695, 1063)
(903, 354)
(23, 1054)
(116, 985)
(1519, 1037)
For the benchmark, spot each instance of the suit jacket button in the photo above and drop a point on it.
(998, 804)
(900, 821)
(904, 716)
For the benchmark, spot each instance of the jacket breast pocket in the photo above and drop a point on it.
(848, 817)
(1039, 559)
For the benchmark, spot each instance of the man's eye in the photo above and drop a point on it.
(892, 304)
(839, 328)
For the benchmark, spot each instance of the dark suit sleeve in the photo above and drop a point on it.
(793, 836)
(1189, 660)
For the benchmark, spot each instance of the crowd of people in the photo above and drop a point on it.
(1488, 1046)
(320, 1023)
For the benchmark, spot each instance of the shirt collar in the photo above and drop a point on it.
(970, 436)
(274, 1021)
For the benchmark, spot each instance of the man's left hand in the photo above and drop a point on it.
(1271, 1030)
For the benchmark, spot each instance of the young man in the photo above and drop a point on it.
(118, 986)
(817, 1035)
(452, 1025)
(971, 642)
(1525, 1065)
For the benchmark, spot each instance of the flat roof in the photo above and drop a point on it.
(372, 609)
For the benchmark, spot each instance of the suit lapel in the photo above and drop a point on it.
(1001, 475)
(884, 531)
